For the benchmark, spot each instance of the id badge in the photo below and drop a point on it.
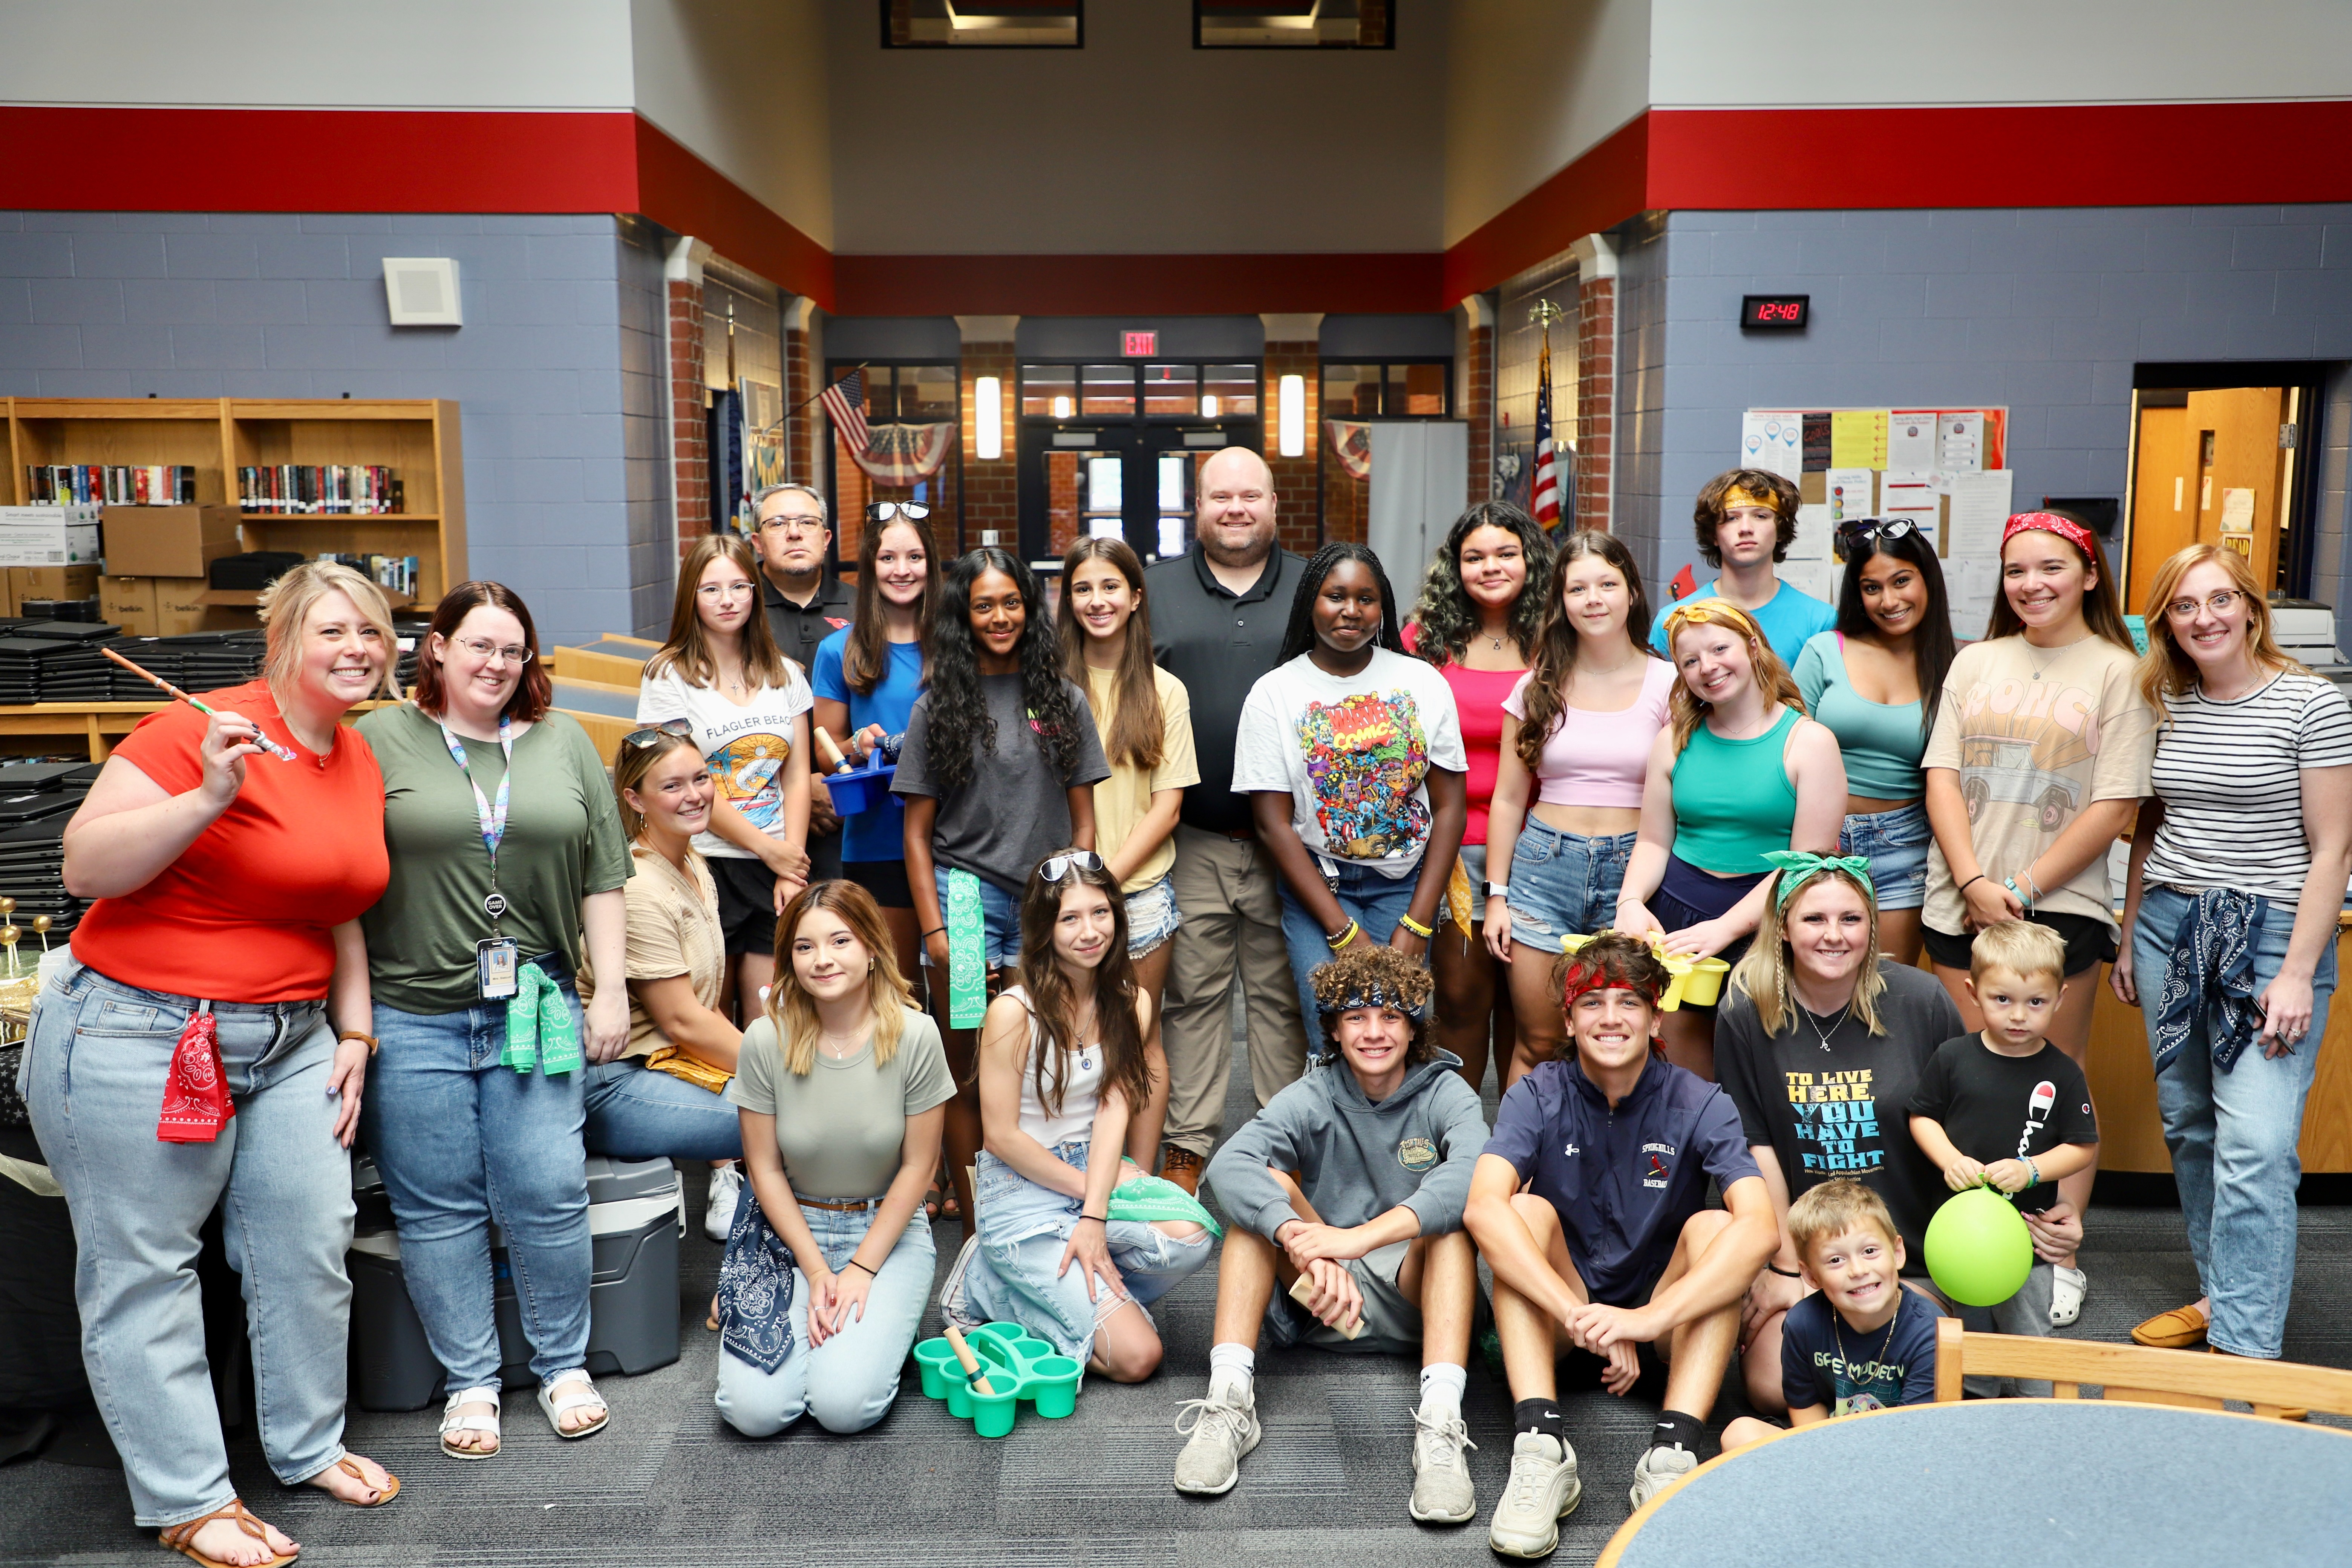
(495, 966)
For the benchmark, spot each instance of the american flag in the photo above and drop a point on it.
(845, 400)
(1545, 498)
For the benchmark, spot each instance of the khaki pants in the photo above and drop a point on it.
(1228, 891)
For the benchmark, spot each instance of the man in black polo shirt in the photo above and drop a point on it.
(1218, 614)
(806, 604)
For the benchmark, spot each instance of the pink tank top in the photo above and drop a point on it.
(1600, 759)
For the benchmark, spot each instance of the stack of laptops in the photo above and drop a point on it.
(37, 801)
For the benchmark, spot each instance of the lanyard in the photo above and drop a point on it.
(490, 815)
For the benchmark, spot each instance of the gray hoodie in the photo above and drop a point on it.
(1355, 1160)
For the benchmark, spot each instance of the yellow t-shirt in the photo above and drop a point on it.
(673, 930)
(1122, 800)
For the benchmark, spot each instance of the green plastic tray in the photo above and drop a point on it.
(1017, 1364)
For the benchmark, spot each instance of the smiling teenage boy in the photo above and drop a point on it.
(1610, 1251)
(1352, 1179)
(1747, 519)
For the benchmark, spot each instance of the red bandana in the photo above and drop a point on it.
(196, 1092)
(1584, 977)
(2065, 528)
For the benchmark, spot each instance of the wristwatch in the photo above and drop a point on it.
(1498, 890)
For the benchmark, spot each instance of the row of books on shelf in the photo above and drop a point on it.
(111, 484)
(320, 487)
(395, 574)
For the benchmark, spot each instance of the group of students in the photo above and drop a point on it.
(1001, 994)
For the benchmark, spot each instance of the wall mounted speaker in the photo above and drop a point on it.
(422, 290)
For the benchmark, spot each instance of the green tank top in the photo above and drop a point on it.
(1733, 800)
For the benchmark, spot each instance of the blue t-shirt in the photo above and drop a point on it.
(1788, 621)
(1824, 1363)
(877, 833)
(1622, 1181)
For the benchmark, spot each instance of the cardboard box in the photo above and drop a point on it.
(178, 607)
(127, 602)
(51, 582)
(48, 535)
(169, 540)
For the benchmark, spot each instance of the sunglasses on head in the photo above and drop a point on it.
(1059, 867)
(1863, 530)
(651, 735)
(884, 511)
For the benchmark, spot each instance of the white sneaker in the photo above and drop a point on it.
(1224, 1428)
(1659, 1467)
(1543, 1490)
(2067, 1289)
(726, 1192)
(1442, 1492)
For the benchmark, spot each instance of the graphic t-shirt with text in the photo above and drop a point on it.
(1994, 1106)
(1824, 1363)
(745, 745)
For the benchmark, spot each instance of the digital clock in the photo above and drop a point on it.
(1774, 312)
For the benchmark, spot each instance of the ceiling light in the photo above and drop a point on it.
(1209, 408)
(1292, 405)
(988, 417)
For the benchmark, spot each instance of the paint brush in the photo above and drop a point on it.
(282, 752)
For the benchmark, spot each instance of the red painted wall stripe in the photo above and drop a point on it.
(1605, 186)
(1160, 285)
(680, 192)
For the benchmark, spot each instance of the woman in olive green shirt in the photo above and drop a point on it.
(841, 1088)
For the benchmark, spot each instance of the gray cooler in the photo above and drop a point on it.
(636, 1212)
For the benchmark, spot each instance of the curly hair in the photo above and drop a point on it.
(1551, 657)
(1299, 637)
(1376, 970)
(1706, 517)
(1620, 962)
(1051, 1004)
(1446, 616)
(958, 709)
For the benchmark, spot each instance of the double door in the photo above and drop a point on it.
(1121, 479)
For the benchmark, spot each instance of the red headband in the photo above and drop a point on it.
(2065, 528)
(1584, 977)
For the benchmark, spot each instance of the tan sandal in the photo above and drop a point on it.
(181, 1537)
(2174, 1331)
(390, 1490)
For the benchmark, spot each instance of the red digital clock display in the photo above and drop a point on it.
(1774, 310)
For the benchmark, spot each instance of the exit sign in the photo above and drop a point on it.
(1138, 345)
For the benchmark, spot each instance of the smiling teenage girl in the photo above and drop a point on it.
(2037, 760)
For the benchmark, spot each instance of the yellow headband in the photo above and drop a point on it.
(1712, 612)
(1739, 496)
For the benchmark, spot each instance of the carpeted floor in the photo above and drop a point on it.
(668, 1485)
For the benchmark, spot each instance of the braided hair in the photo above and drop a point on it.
(1300, 635)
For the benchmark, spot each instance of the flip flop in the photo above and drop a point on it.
(351, 1467)
(181, 1537)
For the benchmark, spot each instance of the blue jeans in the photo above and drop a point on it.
(95, 1066)
(1152, 916)
(1564, 884)
(2232, 1135)
(1896, 844)
(637, 1112)
(1024, 1227)
(1000, 914)
(849, 1382)
(461, 1142)
(1374, 902)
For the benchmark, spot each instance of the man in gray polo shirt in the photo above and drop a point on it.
(1218, 614)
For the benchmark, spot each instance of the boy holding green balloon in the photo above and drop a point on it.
(2004, 1109)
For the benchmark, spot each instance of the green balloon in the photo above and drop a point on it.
(1979, 1250)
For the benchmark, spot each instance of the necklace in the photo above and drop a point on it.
(2056, 654)
(1078, 1031)
(846, 1044)
(1837, 1331)
(1819, 1033)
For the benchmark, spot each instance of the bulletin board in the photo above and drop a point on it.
(1945, 468)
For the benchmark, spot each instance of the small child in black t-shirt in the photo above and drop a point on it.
(1861, 1341)
(2004, 1108)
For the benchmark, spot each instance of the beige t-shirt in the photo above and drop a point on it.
(841, 1128)
(2036, 735)
(1124, 799)
(673, 930)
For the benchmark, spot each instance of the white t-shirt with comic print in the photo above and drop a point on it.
(1354, 753)
(747, 745)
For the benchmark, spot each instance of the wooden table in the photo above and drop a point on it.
(2011, 1483)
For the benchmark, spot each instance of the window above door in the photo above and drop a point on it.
(983, 24)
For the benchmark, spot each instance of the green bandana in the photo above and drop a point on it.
(967, 952)
(1797, 868)
(540, 1031)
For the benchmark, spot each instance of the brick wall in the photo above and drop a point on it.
(991, 490)
(1596, 372)
(1296, 480)
(690, 403)
(1478, 409)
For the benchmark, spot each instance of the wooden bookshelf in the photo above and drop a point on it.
(417, 439)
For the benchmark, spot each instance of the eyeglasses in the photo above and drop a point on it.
(1862, 531)
(714, 592)
(2220, 604)
(884, 511)
(790, 526)
(1054, 869)
(651, 735)
(485, 650)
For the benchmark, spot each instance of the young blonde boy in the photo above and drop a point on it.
(2004, 1107)
(1861, 1341)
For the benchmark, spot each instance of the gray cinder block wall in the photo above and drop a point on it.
(557, 370)
(2042, 311)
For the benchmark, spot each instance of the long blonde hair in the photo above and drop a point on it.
(688, 651)
(1684, 706)
(1765, 973)
(2166, 669)
(794, 1011)
(286, 605)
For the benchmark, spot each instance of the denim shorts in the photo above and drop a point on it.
(1564, 884)
(1151, 916)
(1896, 844)
(1000, 914)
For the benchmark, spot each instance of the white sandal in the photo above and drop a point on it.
(451, 1422)
(556, 1410)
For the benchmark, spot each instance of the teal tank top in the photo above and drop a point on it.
(1733, 800)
